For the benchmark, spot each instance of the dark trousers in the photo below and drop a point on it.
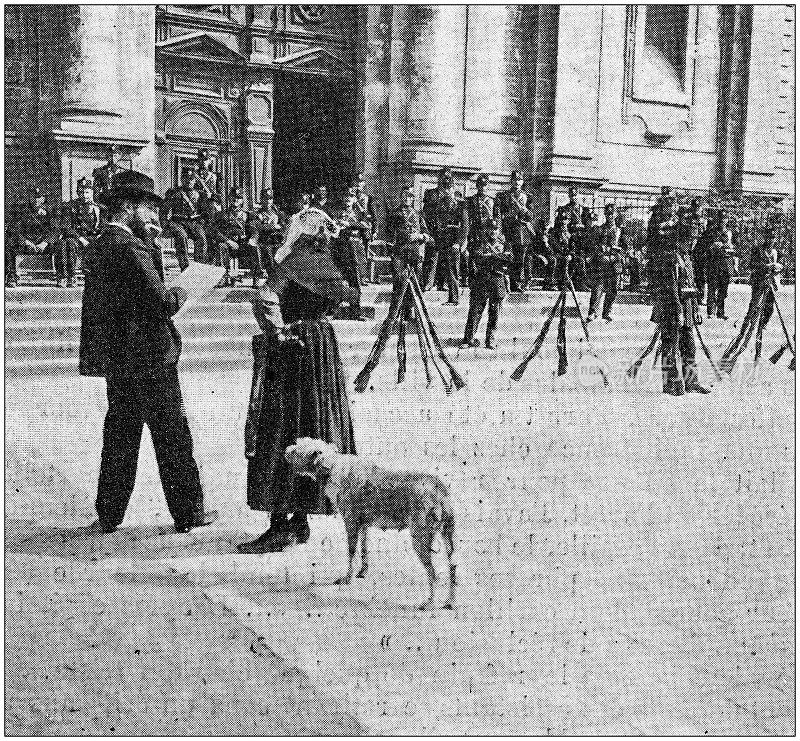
(451, 255)
(10, 250)
(718, 281)
(700, 266)
(182, 232)
(521, 272)
(262, 259)
(484, 291)
(66, 253)
(680, 339)
(606, 285)
(634, 273)
(353, 278)
(580, 278)
(157, 403)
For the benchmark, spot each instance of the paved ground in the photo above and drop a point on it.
(626, 566)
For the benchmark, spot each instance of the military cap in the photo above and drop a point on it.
(609, 208)
(236, 191)
(482, 178)
(266, 193)
(666, 190)
(202, 154)
(36, 193)
(84, 183)
(492, 224)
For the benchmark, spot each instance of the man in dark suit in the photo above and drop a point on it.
(606, 265)
(182, 213)
(266, 228)
(443, 210)
(128, 337)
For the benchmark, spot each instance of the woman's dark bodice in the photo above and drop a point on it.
(298, 303)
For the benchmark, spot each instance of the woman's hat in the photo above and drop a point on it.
(134, 185)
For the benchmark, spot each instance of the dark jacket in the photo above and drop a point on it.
(81, 220)
(515, 216)
(126, 329)
(444, 215)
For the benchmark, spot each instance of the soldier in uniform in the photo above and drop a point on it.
(511, 208)
(543, 249)
(570, 212)
(365, 207)
(561, 246)
(321, 201)
(408, 234)
(103, 177)
(32, 229)
(764, 270)
(182, 215)
(227, 232)
(206, 178)
(266, 228)
(721, 253)
(349, 252)
(479, 210)
(444, 213)
(697, 222)
(570, 215)
(80, 223)
(664, 202)
(606, 265)
(492, 256)
(676, 310)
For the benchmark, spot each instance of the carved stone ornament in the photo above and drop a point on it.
(311, 13)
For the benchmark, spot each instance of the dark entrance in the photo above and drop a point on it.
(314, 122)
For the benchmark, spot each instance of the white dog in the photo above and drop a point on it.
(369, 496)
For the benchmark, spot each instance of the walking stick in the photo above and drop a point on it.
(539, 341)
(362, 379)
(458, 381)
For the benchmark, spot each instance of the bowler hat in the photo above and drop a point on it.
(134, 185)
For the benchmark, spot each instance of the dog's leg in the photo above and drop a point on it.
(422, 538)
(448, 534)
(352, 529)
(362, 572)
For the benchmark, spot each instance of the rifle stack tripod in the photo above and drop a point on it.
(430, 346)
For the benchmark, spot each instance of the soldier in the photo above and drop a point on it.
(676, 308)
(478, 212)
(182, 216)
(699, 249)
(80, 223)
(348, 250)
(720, 263)
(585, 240)
(665, 201)
(227, 231)
(492, 256)
(764, 270)
(606, 265)
(320, 201)
(207, 181)
(365, 207)
(561, 246)
(543, 249)
(266, 228)
(103, 177)
(444, 213)
(512, 209)
(408, 234)
(569, 213)
(32, 229)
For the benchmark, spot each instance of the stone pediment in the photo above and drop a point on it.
(315, 60)
(200, 45)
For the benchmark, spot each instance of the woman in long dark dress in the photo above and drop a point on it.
(299, 390)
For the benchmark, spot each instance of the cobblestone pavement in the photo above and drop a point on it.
(625, 558)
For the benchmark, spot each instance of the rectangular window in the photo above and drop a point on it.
(661, 55)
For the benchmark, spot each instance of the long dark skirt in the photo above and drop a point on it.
(296, 392)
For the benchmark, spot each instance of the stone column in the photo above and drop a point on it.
(433, 33)
(108, 93)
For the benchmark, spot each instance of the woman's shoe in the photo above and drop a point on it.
(272, 541)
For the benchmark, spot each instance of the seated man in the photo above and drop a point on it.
(32, 230)
(80, 223)
(266, 228)
(182, 217)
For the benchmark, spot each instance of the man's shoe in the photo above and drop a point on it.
(205, 519)
(491, 346)
(673, 392)
(698, 389)
(272, 541)
(591, 317)
(722, 316)
(98, 526)
(608, 318)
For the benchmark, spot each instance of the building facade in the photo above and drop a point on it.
(618, 100)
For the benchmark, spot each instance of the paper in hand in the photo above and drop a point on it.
(197, 280)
